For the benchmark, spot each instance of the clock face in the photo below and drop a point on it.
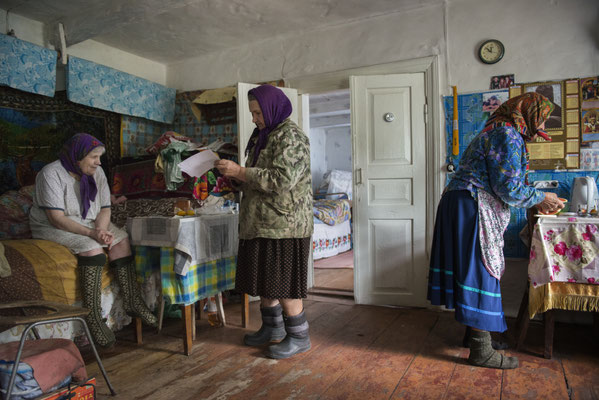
(491, 51)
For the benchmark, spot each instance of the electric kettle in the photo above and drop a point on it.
(584, 194)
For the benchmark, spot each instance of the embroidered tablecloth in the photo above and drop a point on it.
(564, 249)
(564, 265)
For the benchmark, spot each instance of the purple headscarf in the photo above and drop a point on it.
(275, 107)
(75, 149)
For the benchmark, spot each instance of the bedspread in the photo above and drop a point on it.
(44, 270)
(332, 212)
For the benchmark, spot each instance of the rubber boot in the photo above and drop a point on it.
(483, 355)
(297, 339)
(90, 274)
(497, 345)
(272, 329)
(134, 304)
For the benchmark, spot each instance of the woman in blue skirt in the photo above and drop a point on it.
(467, 255)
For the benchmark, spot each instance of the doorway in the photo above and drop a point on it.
(331, 163)
(369, 262)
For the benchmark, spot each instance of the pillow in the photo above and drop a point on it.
(14, 213)
(340, 181)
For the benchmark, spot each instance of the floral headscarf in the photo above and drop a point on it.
(525, 113)
(275, 107)
(75, 149)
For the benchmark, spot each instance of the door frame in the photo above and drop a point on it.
(435, 142)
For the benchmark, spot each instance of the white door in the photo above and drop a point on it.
(388, 138)
(245, 127)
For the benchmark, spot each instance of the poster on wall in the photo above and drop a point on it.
(553, 91)
(589, 109)
(563, 150)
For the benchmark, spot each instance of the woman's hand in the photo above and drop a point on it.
(550, 204)
(102, 236)
(230, 169)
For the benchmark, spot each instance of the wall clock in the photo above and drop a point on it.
(491, 51)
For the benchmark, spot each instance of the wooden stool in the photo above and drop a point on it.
(56, 312)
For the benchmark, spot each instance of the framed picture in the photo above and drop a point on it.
(501, 81)
(554, 92)
(590, 123)
(492, 100)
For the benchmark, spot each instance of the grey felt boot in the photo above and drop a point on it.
(90, 275)
(272, 329)
(483, 355)
(297, 339)
(497, 345)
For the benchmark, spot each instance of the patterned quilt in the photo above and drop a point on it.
(332, 212)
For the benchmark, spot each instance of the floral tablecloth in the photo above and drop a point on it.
(564, 249)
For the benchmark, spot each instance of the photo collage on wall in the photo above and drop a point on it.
(564, 124)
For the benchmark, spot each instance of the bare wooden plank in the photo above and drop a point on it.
(430, 373)
(321, 368)
(380, 366)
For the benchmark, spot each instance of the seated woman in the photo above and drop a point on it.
(71, 206)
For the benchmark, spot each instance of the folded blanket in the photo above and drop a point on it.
(51, 359)
(332, 212)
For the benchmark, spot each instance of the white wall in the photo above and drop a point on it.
(33, 31)
(544, 39)
(374, 41)
(338, 149)
(318, 161)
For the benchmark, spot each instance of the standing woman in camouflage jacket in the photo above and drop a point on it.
(275, 222)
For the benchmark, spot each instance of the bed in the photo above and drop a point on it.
(332, 215)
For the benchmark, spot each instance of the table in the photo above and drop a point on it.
(196, 257)
(563, 272)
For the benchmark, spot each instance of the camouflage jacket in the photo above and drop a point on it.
(277, 193)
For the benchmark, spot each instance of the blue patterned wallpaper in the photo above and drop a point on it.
(26, 66)
(106, 88)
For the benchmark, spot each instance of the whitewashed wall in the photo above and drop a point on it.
(33, 31)
(338, 149)
(318, 160)
(544, 39)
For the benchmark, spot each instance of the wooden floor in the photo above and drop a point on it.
(358, 352)
(332, 273)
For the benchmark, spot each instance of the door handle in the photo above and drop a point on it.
(358, 177)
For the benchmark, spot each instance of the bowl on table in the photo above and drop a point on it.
(556, 211)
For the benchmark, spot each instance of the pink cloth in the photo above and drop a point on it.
(565, 250)
(52, 360)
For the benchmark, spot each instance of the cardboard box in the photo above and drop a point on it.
(78, 392)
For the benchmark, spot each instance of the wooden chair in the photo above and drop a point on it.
(54, 313)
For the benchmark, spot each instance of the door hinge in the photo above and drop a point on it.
(425, 113)
(358, 178)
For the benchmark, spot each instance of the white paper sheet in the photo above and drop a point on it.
(198, 164)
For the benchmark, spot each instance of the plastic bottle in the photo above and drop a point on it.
(210, 310)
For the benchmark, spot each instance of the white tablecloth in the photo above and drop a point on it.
(196, 239)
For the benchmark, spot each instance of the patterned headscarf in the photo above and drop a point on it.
(525, 113)
(75, 149)
(275, 107)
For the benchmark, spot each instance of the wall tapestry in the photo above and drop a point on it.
(137, 134)
(106, 88)
(33, 129)
(26, 66)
